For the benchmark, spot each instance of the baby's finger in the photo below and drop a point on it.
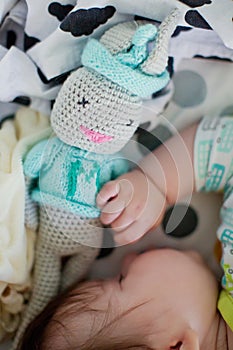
(141, 225)
(112, 210)
(108, 191)
(132, 233)
(133, 211)
(123, 221)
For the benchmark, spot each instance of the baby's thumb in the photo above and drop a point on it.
(107, 192)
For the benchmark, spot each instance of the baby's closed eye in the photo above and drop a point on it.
(121, 277)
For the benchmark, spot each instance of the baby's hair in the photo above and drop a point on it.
(48, 330)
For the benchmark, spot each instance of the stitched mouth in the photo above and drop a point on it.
(95, 136)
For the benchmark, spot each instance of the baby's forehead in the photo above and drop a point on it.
(83, 301)
(102, 291)
(95, 309)
(88, 290)
(88, 304)
(93, 292)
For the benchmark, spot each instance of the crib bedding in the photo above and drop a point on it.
(41, 42)
(198, 228)
(38, 50)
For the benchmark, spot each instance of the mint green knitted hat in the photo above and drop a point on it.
(99, 106)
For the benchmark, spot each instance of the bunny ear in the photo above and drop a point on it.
(119, 37)
(157, 60)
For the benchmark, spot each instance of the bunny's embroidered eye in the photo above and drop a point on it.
(130, 123)
(83, 102)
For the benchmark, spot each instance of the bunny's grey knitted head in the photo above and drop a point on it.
(91, 112)
(99, 106)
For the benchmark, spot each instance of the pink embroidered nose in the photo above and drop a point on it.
(95, 136)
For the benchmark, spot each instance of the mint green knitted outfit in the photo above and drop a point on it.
(70, 177)
(134, 80)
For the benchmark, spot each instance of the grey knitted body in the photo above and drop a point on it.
(95, 113)
(65, 235)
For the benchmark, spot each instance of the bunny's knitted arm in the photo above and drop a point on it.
(32, 167)
(33, 161)
(120, 166)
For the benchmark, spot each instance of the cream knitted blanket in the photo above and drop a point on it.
(16, 241)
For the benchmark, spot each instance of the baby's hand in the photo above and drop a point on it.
(131, 205)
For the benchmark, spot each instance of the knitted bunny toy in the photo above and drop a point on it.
(96, 112)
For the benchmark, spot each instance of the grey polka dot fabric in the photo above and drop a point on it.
(227, 110)
(190, 88)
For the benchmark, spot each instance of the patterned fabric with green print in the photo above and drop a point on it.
(213, 163)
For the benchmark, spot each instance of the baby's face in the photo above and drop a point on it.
(159, 293)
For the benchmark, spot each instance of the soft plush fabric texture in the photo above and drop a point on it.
(17, 240)
(214, 172)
